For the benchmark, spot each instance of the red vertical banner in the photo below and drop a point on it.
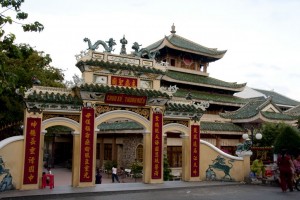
(195, 150)
(32, 146)
(87, 144)
(157, 146)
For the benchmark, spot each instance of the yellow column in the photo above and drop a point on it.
(101, 152)
(76, 159)
(186, 154)
(147, 156)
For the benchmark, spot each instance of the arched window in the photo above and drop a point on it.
(139, 153)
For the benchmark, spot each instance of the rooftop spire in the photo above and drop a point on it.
(173, 29)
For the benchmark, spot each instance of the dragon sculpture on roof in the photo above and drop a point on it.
(108, 48)
(139, 53)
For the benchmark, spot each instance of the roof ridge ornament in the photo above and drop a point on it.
(137, 52)
(108, 48)
(123, 41)
(173, 29)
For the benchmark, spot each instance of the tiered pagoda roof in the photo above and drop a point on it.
(175, 41)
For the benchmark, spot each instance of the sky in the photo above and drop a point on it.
(262, 37)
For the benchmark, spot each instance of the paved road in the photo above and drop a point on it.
(234, 192)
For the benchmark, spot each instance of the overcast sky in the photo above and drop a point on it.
(262, 36)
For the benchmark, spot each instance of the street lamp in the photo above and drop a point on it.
(258, 136)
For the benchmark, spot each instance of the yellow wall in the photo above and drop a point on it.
(12, 154)
(238, 169)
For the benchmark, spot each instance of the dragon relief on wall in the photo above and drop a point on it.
(219, 164)
(5, 177)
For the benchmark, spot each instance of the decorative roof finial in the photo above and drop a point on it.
(173, 29)
(123, 41)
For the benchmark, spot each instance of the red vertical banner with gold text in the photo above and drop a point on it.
(195, 150)
(87, 144)
(32, 146)
(157, 146)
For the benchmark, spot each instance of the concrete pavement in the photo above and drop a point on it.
(109, 188)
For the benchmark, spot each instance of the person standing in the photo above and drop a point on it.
(98, 179)
(285, 165)
(258, 167)
(114, 174)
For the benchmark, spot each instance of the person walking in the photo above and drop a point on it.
(285, 165)
(114, 174)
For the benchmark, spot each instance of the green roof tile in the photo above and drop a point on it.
(218, 126)
(205, 80)
(113, 67)
(58, 98)
(184, 43)
(211, 96)
(122, 90)
(253, 108)
(279, 116)
(278, 98)
(247, 111)
(120, 126)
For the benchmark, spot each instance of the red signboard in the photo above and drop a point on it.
(157, 146)
(32, 146)
(125, 99)
(195, 150)
(123, 81)
(87, 144)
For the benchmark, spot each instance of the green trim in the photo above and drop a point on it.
(210, 96)
(217, 126)
(193, 78)
(114, 67)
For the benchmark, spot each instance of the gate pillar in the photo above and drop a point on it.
(32, 153)
(191, 153)
(153, 152)
(87, 148)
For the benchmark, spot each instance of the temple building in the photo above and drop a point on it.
(140, 107)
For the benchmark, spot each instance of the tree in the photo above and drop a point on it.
(269, 131)
(20, 67)
(7, 78)
(289, 138)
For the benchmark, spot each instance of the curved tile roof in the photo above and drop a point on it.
(218, 126)
(203, 80)
(117, 66)
(186, 44)
(122, 90)
(222, 98)
(280, 116)
(120, 126)
(253, 108)
(278, 98)
(47, 97)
